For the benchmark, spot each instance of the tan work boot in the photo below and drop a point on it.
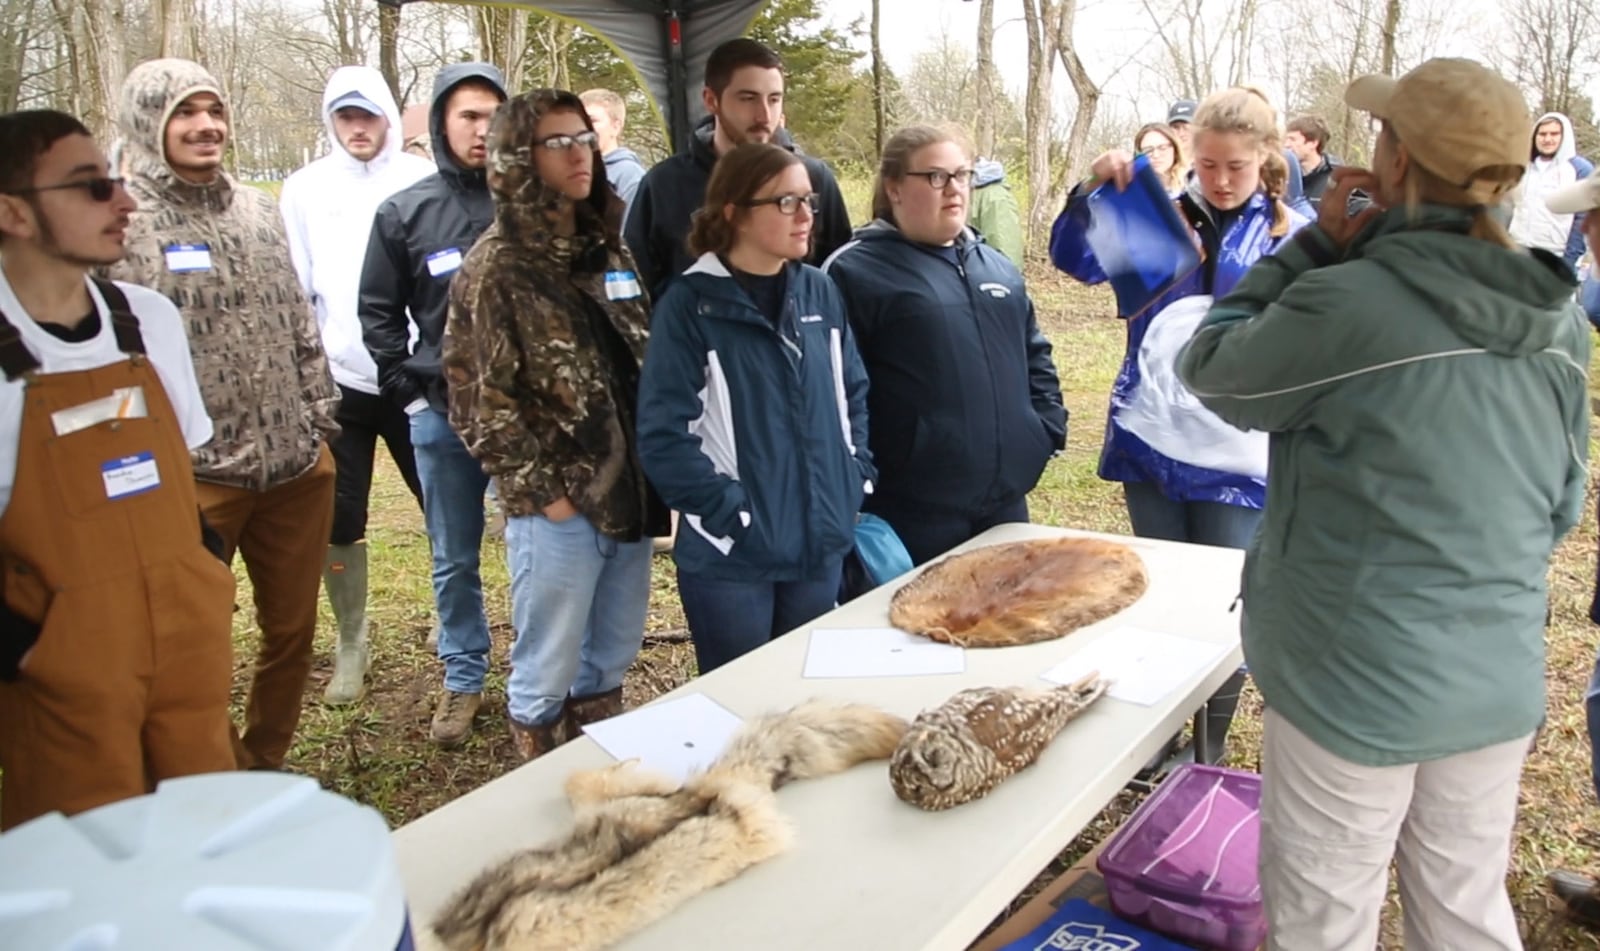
(452, 718)
(344, 576)
(535, 741)
(582, 711)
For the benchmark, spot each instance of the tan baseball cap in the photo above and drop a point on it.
(1576, 198)
(1458, 119)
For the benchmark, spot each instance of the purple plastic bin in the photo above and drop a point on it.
(1185, 863)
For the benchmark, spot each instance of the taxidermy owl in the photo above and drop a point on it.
(1020, 592)
(960, 750)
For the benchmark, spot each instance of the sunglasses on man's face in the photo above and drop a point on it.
(99, 189)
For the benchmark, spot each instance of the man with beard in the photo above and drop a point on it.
(1555, 166)
(744, 98)
(328, 208)
(217, 249)
(115, 653)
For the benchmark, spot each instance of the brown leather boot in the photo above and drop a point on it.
(592, 709)
(533, 741)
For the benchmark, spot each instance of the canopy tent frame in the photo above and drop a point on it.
(666, 41)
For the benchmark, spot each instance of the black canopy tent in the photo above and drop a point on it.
(667, 41)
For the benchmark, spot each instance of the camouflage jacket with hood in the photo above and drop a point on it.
(545, 339)
(219, 252)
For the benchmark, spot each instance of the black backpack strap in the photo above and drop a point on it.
(16, 360)
(123, 324)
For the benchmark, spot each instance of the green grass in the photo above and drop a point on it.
(378, 752)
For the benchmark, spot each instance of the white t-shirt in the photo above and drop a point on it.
(166, 344)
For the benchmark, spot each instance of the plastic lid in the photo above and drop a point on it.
(224, 862)
(1197, 837)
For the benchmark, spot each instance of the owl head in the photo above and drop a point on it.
(927, 766)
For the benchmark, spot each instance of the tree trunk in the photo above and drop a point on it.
(988, 83)
(98, 30)
(173, 27)
(1391, 28)
(389, 48)
(1087, 91)
(880, 107)
(1041, 60)
(503, 40)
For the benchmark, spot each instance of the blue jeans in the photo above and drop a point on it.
(1591, 702)
(728, 619)
(453, 484)
(578, 603)
(1201, 523)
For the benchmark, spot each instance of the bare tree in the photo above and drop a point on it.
(1050, 39)
(880, 108)
(502, 39)
(988, 79)
(1391, 30)
(1552, 48)
(389, 47)
(347, 22)
(174, 26)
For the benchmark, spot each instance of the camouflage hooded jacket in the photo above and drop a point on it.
(545, 338)
(219, 252)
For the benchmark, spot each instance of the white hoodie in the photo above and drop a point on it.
(328, 208)
(1532, 223)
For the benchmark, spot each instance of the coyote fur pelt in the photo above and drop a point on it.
(642, 844)
(1020, 592)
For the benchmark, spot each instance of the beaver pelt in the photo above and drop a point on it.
(1020, 592)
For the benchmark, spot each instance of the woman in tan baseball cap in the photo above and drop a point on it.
(1423, 381)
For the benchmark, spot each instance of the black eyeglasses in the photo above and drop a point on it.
(99, 189)
(787, 204)
(939, 178)
(560, 143)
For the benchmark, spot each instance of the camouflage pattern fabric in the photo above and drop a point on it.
(542, 365)
(253, 336)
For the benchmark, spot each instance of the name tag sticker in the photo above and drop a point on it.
(621, 285)
(130, 475)
(187, 258)
(444, 262)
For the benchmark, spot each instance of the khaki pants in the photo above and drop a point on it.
(1329, 828)
(282, 534)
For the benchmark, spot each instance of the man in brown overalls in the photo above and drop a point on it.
(115, 654)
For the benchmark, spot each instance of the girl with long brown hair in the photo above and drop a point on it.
(753, 412)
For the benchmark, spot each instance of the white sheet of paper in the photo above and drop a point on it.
(1143, 666)
(672, 737)
(878, 652)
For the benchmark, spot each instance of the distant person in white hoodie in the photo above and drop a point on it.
(1555, 165)
(328, 208)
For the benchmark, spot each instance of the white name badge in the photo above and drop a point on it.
(130, 475)
(621, 285)
(186, 258)
(444, 262)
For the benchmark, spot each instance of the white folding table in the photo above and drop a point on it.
(868, 871)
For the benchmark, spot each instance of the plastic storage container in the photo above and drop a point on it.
(222, 862)
(1185, 863)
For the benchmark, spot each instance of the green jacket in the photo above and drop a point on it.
(1427, 398)
(994, 212)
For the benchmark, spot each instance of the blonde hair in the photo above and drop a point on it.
(612, 103)
(1244, 110)
(1423, 187)
(896, 160)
